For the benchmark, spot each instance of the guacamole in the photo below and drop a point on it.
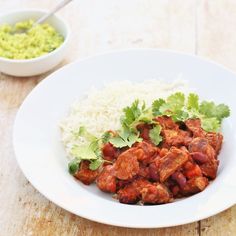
(36, 41)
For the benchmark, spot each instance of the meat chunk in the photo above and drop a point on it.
(209, 167)
(175, 138)
(131, 193)
(195, 185)
(163, 152)
(106, 180)
(84, 174)
(173, 160)
(144, 131)
(123, 183)
(167, 123)
(128, 195)
(194, 125)
(109, 152)
(153, 170)
(155, 194)
(143, 171)
(191, 170)
(148, 151)
(202, 145)
(127, 165)
(215, 140)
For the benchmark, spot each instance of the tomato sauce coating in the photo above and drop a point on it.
(181, 165)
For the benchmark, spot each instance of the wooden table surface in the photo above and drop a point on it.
(202, 27)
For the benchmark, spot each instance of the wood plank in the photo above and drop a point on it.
(97, 26)
(216, 40)
(220, 224)
(215, 30)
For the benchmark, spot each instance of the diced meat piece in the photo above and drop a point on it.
(173, 160)
(140, 183)
(163, 152)
(144, 131)
(109, 152)
(191, 170)
(153, 171)
(155, 194)
(127, 165)
(169, 137)
(195, 185)
(194, 125)
(122, 183)
(106, 180)
(183, 148)
(143, 171)
(149, 152)
(210, 168)
(186, 136)
(167, 122)
(202, 145)
(215, 140)
(84, 174)
(130, 194)
(175, 138)
(179, 178)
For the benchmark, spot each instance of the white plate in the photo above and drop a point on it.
(43, 161)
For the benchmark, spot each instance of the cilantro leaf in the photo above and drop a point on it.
(106, 136)
(180, 115)
(73, 166)
(145, 117)
(84, 133)
(154, 135)
(89, 152)
(95, 164)
(125, 138)
(222, 111)
(166, 109)
(134, 115)
(83, 152)
(118, 142)
(131, 113)
(156, 106)
(210, 124)
(176, 101)
(209, 109)
(193, 102)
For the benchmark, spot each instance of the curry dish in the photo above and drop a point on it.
(160, 152)
(182, 165)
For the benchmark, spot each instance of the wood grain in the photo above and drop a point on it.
(99, 26)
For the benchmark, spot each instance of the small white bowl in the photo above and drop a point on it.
(38, 65)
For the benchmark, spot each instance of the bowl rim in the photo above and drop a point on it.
(42, 57)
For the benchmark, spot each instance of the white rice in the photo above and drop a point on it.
(101, 109)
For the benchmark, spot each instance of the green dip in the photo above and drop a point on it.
(37, 41)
